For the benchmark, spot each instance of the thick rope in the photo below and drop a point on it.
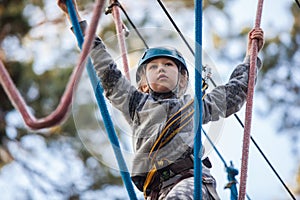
(249, 106)
(233, 188)
(120, 33)
(198, 103)
(59, 114)
(268, 162)
(235, 115)
(99, 96)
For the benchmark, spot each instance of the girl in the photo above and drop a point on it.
(161, 115)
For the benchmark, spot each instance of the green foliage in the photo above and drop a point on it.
(12, 22)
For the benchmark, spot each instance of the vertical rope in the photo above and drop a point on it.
(121, 40)
(198, 103)
(249, 106)
(99, 96)
(235, 115)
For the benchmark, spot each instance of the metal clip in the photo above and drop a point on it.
(207, 72)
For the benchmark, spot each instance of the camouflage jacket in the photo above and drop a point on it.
(147, 113)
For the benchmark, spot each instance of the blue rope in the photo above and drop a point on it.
(103, 107)
(198, 103)
(215, 148)
(231, 171)
(75, 23)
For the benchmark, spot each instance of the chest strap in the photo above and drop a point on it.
(173, 126)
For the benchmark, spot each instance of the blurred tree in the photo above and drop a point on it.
(42, 92)
(280, 84)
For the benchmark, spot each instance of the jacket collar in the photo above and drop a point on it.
(167, 95)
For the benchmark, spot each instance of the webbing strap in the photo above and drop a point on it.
(148, 180)
(100, 98)
(174, 121)
(185, 121)
(173, 126)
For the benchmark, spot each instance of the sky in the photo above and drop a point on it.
(261, 182)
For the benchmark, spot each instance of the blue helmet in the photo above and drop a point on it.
(157, 52)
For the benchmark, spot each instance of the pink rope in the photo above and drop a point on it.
(249, 105)
(121, 40)
(60, 113)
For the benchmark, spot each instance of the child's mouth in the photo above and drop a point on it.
(162, 76)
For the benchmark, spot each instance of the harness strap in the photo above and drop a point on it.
(173, 119)
(174, 125)
(161, 178)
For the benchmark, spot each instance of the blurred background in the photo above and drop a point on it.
(73, 160)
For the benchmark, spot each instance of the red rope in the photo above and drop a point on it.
(59, 114)
(121, 40)
(249, 105)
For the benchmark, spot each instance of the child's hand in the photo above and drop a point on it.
(255, 34)
(63, 6)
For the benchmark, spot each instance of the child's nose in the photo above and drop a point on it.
(161, 67)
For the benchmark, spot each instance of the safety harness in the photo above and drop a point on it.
(162, 171)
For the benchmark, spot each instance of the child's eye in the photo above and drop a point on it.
(169, 64)
(153, 66)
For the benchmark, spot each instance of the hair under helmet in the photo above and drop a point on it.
(157, 52)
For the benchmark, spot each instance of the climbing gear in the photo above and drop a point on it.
(157, 52)
(120, 26)
(175, 123)
(162, 170)
(198, 104)
(249, 106)
(98, 90)
(235, 115)
(264, 157)
(37, 127)
(159, 178)
(60, 113)
(231, 173)
(173, 126)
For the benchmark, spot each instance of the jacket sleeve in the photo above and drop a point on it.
(118, 90)
(227, 99)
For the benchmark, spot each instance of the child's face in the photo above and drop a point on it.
(162, 75)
